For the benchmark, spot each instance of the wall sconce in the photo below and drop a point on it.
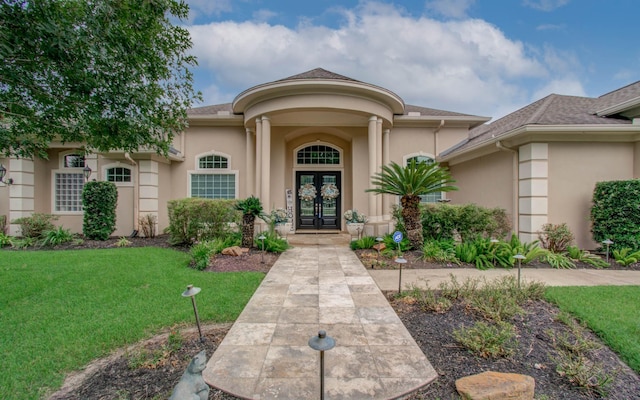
(86, 171)
(3, 172)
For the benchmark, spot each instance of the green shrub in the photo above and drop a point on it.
(555, 238)
(5, 240)
(272, 243)
(439, 251)
(558, 260)
(576, 254)
(366, 242)
(614, 214)
(193, 220)
(391, 247)
(487, 340)
(99, 201)
(56, 237)
(445, 221)
(36, 225)
(23, 243)
(201, 254)
(3, 224)
(626, 256)
(147, 224)
(123, 242)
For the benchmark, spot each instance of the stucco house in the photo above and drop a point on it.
(310, 143)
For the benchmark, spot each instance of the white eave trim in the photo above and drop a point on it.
(418, 120)
(620, 107)
(543, 129)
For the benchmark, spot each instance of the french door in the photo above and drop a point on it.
(318, 200)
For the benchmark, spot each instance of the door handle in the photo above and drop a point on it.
(319, 210)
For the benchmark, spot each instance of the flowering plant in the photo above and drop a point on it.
(279, 216)
(354, 217)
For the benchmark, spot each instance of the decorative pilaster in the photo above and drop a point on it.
(373, 122)
(533, 189)
(250, 152)
(386, 201)
(258, 155)
(21, 192)
(266, 161)
(148, 186)
(379, 164)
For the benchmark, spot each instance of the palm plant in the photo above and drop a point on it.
(251, 208)
(411, 182)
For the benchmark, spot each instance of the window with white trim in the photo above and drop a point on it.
(431, 197)
(118, 174)
(68, 182)
(213, 179)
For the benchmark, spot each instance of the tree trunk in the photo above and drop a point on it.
(412, 220)
(248, 221)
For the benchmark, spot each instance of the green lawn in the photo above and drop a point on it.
(61, 309)
(613, 312)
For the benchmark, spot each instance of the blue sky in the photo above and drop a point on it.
(482, 57)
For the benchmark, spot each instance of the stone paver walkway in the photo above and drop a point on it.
(318, 284)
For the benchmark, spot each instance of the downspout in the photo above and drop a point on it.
(516, 187)
(435, 138)
(136, 195)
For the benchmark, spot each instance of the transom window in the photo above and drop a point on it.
(213, 179)
(73, 161)
(213, 161)
(318, 155)
(118, 174)
(431, 197)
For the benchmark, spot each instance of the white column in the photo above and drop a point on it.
(386, 199)
(250, 167)
(533, 190)
(379, 164)
(258, 156)
(266, 162)
(373, 122)
(149, 179)
(21, 192)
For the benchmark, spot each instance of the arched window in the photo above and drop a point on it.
(431, 197)
(118, 174)
(213, 179)
(318, 154)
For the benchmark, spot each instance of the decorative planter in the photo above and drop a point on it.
(355, 229)
(283, 229)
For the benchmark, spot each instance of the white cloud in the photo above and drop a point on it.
(204, 8)
(263, 15)
(467, 66)
(545, 5)
(450, 8)
(565, 86)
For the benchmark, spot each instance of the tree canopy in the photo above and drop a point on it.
(106, 74)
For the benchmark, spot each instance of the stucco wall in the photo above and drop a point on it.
(574, 169)
(487, 181)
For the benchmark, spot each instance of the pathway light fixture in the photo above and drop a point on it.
(261, 238)
(608, 242)
(519, 257)
(192, 292)
(400, 260)
(322, 343)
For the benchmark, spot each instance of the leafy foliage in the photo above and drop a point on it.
(273, 243)
(192, 220)
(614, 214)
(488, 340)
(99, 201)
(576, 254)
(147, 224)
(626, 256)
(112, 74)
(440, 251)
(56, 237)
(123, 242)
(35, 225)
(251, 208)
(5, 240)
(366, 242)
(468, 221)
(558, 260)
(555, 238)
(410, 183)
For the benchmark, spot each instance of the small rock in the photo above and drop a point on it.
(379, 246)
(492, 385)
(234, 251)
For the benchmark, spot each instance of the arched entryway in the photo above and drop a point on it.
(318, 183)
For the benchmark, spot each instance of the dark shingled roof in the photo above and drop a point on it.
(553, 110)
(432, 112)
(207, 110)
(318, 73)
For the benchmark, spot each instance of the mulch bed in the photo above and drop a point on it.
(113, 378)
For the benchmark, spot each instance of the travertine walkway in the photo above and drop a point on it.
(318, 284)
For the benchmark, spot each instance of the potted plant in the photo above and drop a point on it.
(280, 221)
(355, 222)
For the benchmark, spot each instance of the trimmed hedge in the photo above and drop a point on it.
(99, 200)
(615, 213)
(443, 221)
(193, 219)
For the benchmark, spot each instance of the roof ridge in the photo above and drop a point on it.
(618, 89)
(546, 102)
